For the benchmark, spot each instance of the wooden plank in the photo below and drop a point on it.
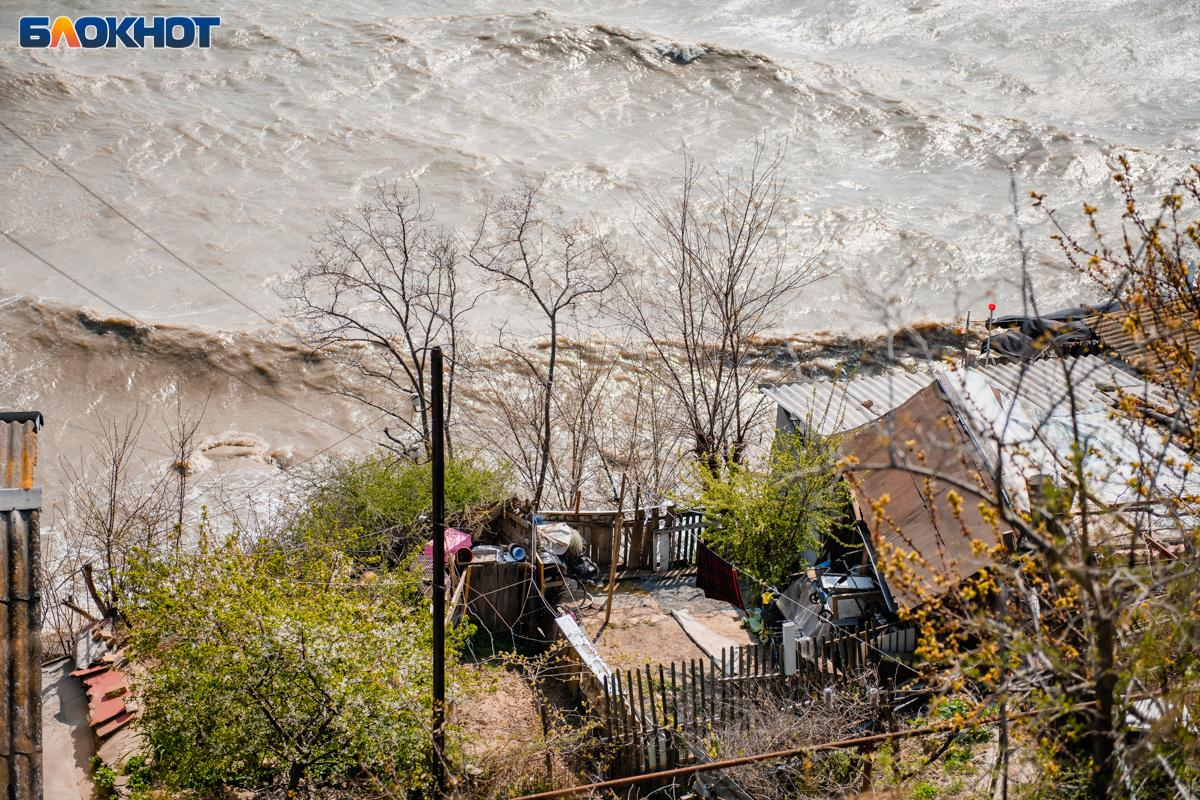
(709, 641)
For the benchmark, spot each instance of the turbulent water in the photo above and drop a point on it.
(902, 121)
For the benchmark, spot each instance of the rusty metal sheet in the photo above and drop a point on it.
(1175, 323)
(20, 628)
(925, 433)
(18, 448)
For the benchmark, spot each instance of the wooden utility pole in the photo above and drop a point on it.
(439, 574)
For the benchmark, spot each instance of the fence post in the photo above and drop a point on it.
(789, 647)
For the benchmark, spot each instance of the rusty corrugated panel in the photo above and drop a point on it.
(917, 516)
(20, 629)
(109, 706)
(1174, 323)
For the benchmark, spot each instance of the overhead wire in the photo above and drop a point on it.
(140, 321)
(75, 179)
(275, 323)
(349, 433)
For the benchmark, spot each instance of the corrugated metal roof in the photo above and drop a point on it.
(110, 705)
(21, 653)
(1026, 406)
(1029, 407)
(18, 448)
(1046, 385)
(826, 407)
(917, 515)
(1174, 323)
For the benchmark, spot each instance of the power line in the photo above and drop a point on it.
(138, 228)
(286, 330)
(215, 366)
(70, 277)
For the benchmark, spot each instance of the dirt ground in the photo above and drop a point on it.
(498, 732)
(66, 737)
(642, 630)
(503, 707)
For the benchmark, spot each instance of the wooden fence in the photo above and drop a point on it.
(673, 532)
(658, 717)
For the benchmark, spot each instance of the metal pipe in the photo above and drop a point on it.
(692, 769)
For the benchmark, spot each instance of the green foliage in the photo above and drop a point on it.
(957, 708)
(838, 766)
(924, 791)
(269, 665)
(763, 520)
(104, 778)
(138, 770)
(371, 506)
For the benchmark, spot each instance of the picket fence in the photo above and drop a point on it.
(659, 717)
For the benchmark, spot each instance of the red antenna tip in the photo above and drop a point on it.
(991, 306)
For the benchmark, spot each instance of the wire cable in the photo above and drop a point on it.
(136, 227)
(215, 366)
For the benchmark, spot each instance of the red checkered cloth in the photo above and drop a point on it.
(717, 578)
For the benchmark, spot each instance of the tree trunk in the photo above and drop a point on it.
(1102, 721)
(295, 775)
(547, 401)
(90, 581)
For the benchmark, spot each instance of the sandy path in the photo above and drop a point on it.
(66, 736)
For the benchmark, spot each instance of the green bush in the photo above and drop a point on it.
(371, 507)
(139, 771)
(104, 778)
(924, 791)
(762, 520)
(957, 707)
(270, 666)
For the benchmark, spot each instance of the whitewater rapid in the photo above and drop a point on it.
(902, 121)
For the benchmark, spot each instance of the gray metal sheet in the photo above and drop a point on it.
(827, 407)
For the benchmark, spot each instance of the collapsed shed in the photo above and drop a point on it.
(957, 431)
(911, 464)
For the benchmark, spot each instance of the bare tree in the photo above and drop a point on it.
(511, 429)
(58, 577)
(557, 266)
(587, 396)
(379, 291)
(641, 439)
(719, 274)
(119, 504)
(180, 437)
